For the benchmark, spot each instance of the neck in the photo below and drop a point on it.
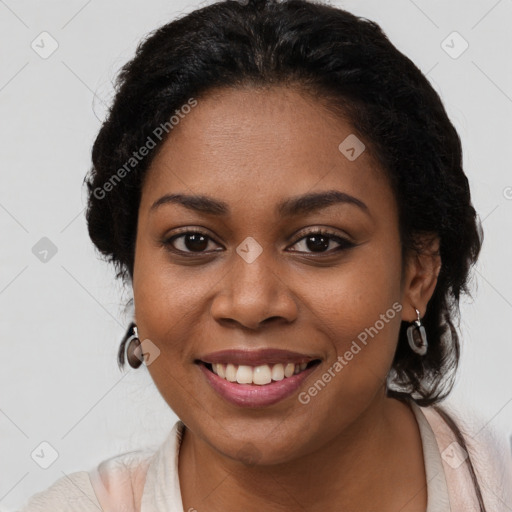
(359, 469)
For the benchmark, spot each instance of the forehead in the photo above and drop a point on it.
(256, 146)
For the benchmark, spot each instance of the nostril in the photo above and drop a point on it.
(267, 320)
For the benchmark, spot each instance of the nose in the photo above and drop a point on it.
(253, 294)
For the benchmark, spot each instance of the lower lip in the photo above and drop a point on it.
(252, 395)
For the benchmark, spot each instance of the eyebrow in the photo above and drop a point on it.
(302, 204)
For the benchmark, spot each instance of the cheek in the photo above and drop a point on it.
(166, 311)
(163, 301)
(357, 306)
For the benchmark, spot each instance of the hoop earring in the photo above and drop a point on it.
(133, 349)
(417, 336)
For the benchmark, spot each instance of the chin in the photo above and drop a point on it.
(259, 445)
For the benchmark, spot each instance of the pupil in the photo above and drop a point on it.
(195, 241)
(319, 243)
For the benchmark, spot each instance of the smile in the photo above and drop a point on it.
(256, 378)
(258, 375)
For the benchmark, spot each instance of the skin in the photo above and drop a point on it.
(351, 447)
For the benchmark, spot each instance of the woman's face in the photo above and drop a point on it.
(254, 279)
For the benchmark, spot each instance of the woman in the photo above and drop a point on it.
(283, 190)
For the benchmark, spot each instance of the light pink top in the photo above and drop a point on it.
(151, 478)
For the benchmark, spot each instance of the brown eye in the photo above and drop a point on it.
(189, 242)
(317, 243)
(320, 242)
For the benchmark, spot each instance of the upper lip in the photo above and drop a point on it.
(256, 357)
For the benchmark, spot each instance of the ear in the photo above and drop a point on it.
(420, 277)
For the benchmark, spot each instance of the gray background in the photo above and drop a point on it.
(62, 314)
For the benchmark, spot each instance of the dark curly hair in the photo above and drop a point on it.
(345, 62)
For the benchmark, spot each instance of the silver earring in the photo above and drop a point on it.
(417, 336)
(133, 349)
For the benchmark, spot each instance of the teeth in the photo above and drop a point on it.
(289, 370)
(220, 370)
(277, 372)
(300, 367)
(230, 373)
(244, 374)
(260, 375)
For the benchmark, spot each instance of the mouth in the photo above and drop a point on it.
(260, 375)
(256, 378)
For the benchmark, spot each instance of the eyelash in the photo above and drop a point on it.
(344, 242)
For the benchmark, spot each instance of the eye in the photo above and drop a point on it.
(314, 241)
(189, 241)
(320, 240)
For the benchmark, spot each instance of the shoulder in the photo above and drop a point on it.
(116, 483)
(71, 492)
(484, 447)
